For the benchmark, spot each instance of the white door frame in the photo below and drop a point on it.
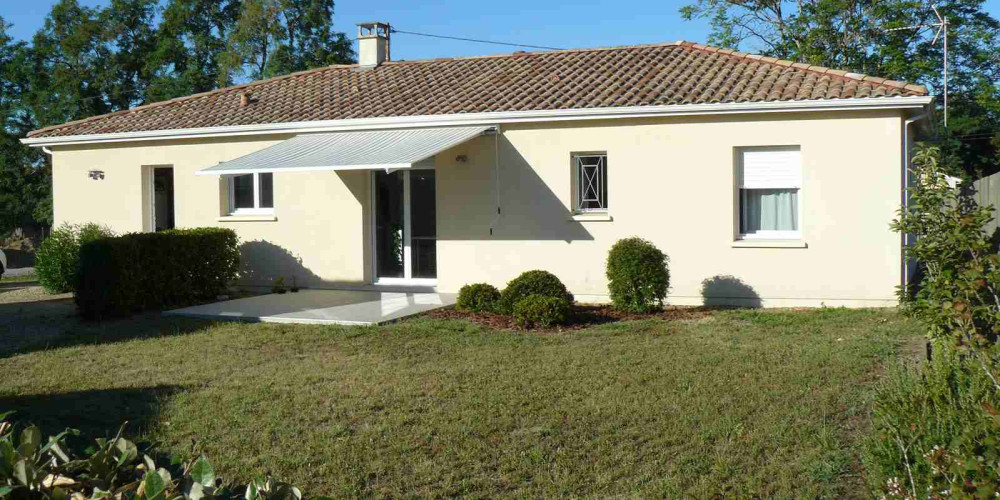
(407, 278)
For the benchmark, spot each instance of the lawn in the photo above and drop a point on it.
(21, 278)
(738, 403)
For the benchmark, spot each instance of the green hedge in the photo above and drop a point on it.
(535, 282)
(153, 271)
(58, 259)
(478, 297)
(638, 275)
(542, 311)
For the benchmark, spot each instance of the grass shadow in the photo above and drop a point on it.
(95, 413)
(45, 324)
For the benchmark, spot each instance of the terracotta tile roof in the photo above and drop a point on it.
(676, 73)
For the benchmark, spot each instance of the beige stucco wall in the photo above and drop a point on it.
(670, 181)
(319, 235)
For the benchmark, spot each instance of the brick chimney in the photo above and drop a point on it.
(373, 44)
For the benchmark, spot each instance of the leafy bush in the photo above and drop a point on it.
(638, 277)
(532, 283)
(143, 271)
(58, 259)
(478, 297)
(937, 432)
(925, 419)
(33, 469)
(541, 310)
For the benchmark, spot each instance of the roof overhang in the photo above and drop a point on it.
(358, 150)
(470, 119)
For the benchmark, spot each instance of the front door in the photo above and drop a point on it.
(163, 198)
(405, 227)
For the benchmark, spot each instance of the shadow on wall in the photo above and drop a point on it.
(263, 262)
(728, 290)
(531, 211)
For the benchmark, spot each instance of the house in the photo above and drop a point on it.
(765, 181)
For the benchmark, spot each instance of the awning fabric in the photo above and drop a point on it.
(365, 150)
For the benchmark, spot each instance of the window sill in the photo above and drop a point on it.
(591, 217)
(247, 218)
(769, 244)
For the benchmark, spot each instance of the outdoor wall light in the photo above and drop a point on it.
(96, 174)
(461, 159)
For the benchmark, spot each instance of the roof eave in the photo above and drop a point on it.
(423, 121)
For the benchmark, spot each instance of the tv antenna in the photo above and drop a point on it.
(942, 33)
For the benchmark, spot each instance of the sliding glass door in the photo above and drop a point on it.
(405, 226)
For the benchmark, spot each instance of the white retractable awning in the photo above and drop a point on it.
(365, 150)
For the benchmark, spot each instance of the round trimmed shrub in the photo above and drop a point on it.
(478, 297)
(58, 258)
(638, 276)
(540, 310)
(534, 282)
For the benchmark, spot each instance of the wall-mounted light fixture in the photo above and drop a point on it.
(461, 159)
(96, 174)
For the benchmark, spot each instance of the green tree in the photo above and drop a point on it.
(858, 35)
(275, 37)
(68, 62)
(190, 40)
(129, 28)
(24, 176)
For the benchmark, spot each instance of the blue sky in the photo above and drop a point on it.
(586, 23)
(582, 23)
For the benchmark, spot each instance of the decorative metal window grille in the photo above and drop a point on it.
(592, 182)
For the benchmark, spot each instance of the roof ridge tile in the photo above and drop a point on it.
(638, 75)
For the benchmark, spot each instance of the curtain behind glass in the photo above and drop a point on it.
(769, 210)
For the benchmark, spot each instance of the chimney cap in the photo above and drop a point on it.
(374, 29)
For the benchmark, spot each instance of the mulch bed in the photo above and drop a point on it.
(583, 316)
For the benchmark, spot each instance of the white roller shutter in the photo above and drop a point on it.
(771, 168)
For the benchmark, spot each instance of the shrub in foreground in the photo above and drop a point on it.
(33, 469)
(928, 421)
(541, 311)
(528, 283)
(937, 431)
(638, 277)
(478, 297)
(58, 259)
(144, 271)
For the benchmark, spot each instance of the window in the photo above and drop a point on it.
(769, 180)
(590, 173)
(251, 194)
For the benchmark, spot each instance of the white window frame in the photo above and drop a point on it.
(577, 177)
(257, 209)
(765, 234)
(407, 278)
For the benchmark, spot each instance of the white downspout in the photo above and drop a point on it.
(496, 168)
(906, 238)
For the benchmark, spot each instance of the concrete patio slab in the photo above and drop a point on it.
(325, 307)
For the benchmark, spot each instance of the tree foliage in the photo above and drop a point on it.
(274, 37)
(860, 36)
(86, 61)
